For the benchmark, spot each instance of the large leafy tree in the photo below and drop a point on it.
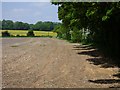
(100, 20)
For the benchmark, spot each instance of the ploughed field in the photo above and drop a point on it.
(53, 63)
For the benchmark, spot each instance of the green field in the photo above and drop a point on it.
(24, 33)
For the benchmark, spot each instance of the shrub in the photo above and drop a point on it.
(30, 33)
(6, 34)
(17, 35)
(76, 35)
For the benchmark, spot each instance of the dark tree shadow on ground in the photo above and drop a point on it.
(81, 47)
(105, 81)
(103, 62)
(99, 59)
(92, 53)
(117, 75)
(115, 86)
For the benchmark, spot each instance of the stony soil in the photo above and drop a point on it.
(54, 63)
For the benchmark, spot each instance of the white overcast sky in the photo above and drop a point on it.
(29, 12)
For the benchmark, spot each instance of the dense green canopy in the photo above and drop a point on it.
(95, 22)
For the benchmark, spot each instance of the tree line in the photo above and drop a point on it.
(43, 26)
(91, 22)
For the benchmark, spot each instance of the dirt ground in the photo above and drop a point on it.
(54, 63)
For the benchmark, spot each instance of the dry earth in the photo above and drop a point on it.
(53, 63)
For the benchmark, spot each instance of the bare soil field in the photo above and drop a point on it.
(54, 63)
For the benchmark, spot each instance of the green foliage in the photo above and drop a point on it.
(63, 32)
(58, 29)
(104, 18)
(6, 34)
(21, 26)
(100, 18)
(0, 25)
(30, 33)
(7, 24)
(10, 25)
(76, 35)
(47, 26)
(44, 26)
(17, 35)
